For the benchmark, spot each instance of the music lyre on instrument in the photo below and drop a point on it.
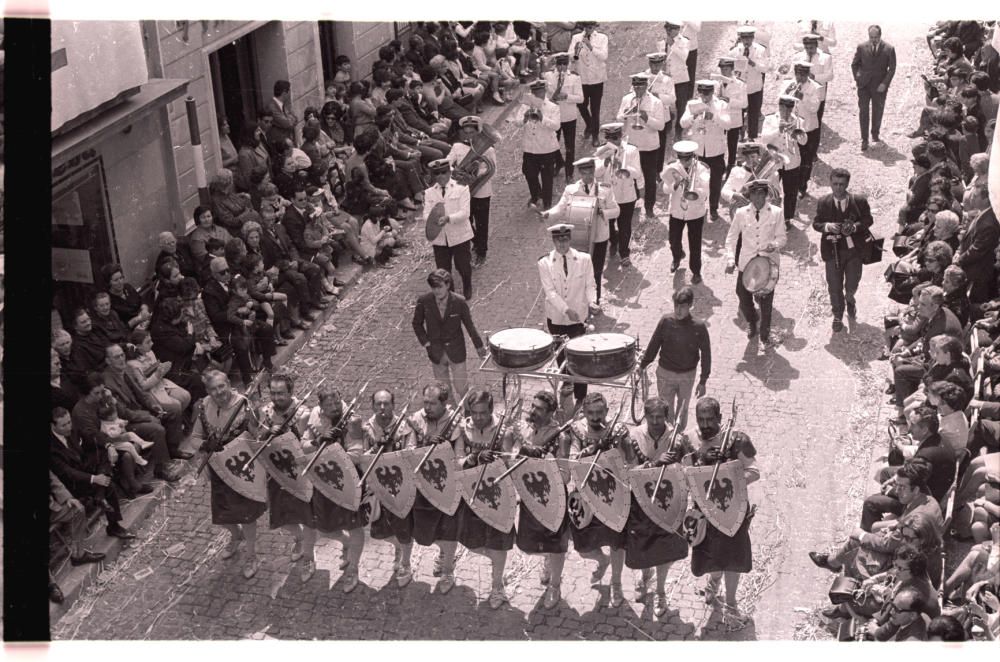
(387, 439)
(445, 431)
(341, 424)
(726, 444)
(604, 438)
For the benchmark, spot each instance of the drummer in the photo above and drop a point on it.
(607, 209)
(759, 229)
(567, 277)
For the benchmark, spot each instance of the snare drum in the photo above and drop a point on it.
(760, 275)
(521, 348)
(601, 355)
(581, 215)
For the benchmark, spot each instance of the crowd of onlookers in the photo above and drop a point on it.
(941, 477)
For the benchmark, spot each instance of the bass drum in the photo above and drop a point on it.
(761, 275)
(580, 215)
(521, 349)
(601, 355)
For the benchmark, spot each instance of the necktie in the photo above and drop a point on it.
(757, 214)
(565, 266)
(442, 190)
(586, 189)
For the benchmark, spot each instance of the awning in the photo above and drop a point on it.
(154, 94)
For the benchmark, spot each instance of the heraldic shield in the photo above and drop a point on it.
(336, 478)
(671, 498)
(228, 466)
(607, 495)
(495, 503)
(392, 479)
(280, 461)
(726, 506)
(542, 490)
(437, 479)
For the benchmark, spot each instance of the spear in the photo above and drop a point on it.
(670, 447)
(493, 441)
(387, 439)
(229, 422)
(726, 441)
(445, 431)
(328, 438)
(552, 435)
(604, 438)
(285, 424)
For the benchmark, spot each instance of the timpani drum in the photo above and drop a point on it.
(521, 349)
(601, 355)
(581, 215)
(760, 275)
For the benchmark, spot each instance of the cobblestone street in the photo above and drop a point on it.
(810, 405)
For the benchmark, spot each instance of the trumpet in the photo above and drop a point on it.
(532, 115)
(637, 123)
(689, 192)
(795, 90)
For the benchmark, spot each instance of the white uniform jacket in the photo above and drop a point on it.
(690, 30)
(695, 208)
(625, 189)
(752, 76)
(770, 134)
(571, 87)
(606, 202)
(648, 137)
(757, 234)
(676, 58)
(564, 292)
(456, 200)
(821, 71)
(713, 141)
(457, 154)
(808, 105)
(540, 137)
(662, 86)
(593, 63)
(739, 177)
(736, 92)
(825, 29)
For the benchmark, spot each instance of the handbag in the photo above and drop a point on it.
(843, 589)
(871, 248)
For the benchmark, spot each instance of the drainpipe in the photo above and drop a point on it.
(199, 155)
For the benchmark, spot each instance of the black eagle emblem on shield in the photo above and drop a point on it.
(537, 484)
(235, 466)
(436, 473)
(284, 462)
(664, 496)
(391, 478)
(602, 483)
(331, 473)
(722, 493)
(489, 493)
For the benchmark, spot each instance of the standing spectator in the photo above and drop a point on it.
(252, 156)
(343, 73)
(589, 50)
(229, 155)
(283, 117)
(873, 67)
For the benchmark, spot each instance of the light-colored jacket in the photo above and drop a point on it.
(571, 87)
(457, 202)
(713, 141)
(593, 63)
(563, 292)
(648, 137)
(757, 234)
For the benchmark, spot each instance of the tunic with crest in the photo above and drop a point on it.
(430, 525)
(283, 508)
(473, 532)
(327, 515)
(596, 534)
(532, 537)
(388, 525)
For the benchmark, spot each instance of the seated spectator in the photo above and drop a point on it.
(981, 564)
(206, 229)
(378, 236)
(948, 363)
(926, 444)
(62, 343)
(87, 349)
(949, 400)
(332, 125)
(902, 619)
(184, 337)
(416, 119)
(68, 512)
(168, 280)
(405, 159)
(278, 250)
(262, 291)
(977, 499)
(956, 293)
(430, 148)
(123, 441)
(105, 322)
(125, 300)
(251, 320)
(341, 226)
(62, 391)
(235, 251)
(150, 374)
(252, 156)
(945, 628)
(289, 298)
(297, 217)
(976, 255)
(464, 91)
(415, 51)
(438, 97)
(319, 154)
(181, 254)
(216, 248)
(361, 110)
(229, 208)
(381, 81)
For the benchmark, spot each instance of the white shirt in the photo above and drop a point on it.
(954, 430)
(457, 155)
(564, 292)
(648, 137)
(822, 69)
(540, 137)
(623, 188)
(457, 203)
(824, 29)
(605, 198)
(713, 141)
(593, 63)
(690, 30)
(757, 234)
(770, 134)
(571, 87)
(808, 105)
(676, 58)
(736, 91)
(662, 86)
(681, 208)
(752, 76)
(739, 177)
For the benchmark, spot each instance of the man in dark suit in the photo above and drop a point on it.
(278, 249)
(283, 118)
(85, 475)
(215, 296)
(842, 218)
(438, 318)
(975, 255)
(873, 67)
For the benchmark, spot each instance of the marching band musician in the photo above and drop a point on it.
(822, 66)
(808, 92)
(643, 117)
(825, 31)
(752, 62)
(567, 277)
(661, 85)
(688, 181)
(588, 436)
(622, 172)
(479, 205)
(230, 509)
(398, 531)
(647, 545)
(607, 209)
(334, 521)
(540, 143)
(287, 511)
(676, 47)
(566, 90)
(473, 450)
(530, 437)
(590, 55)
(783, 131)
(719, 555)
(706, 119)
(734, 192)
(453, 243)
(690, 30)
(430, 525)
(734, 92)
(756, 229)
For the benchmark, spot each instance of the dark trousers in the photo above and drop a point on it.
(732, 140)
(573, 331)
(749, 312)
(538, 170)
(567, 132)
(461, 255)
(808, 153)
(870, 101)
(875, 505)
(751, 114)
(314, 277)
(984, 434)
(683, 93)
(694, 228)
(263, 336)
(790, 191)
(590, 109)
(692, 63)
(597, 257)
(717, 165)
(982, 287)
(822, 109)
(621, 236)
(906, 378)
(298, 281)
(661, 154)
(647, 162)
(479, 210)
(842, 282)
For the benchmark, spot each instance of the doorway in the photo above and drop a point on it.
(235, 84)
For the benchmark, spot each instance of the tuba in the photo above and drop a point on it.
(467, 172)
